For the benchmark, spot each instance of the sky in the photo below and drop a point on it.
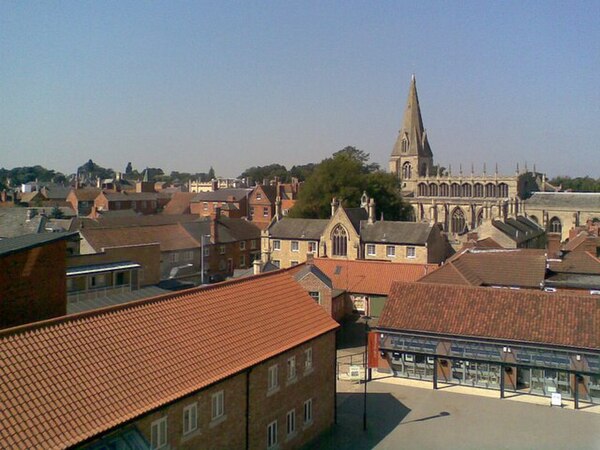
(186, 85)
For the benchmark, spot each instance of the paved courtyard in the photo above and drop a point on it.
(405, 416)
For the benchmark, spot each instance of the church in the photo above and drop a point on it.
(459, 202)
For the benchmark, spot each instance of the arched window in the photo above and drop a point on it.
(490, 190)
(457, 224)
(478, 190)
(503, 190)
(480, 217)
(405, 143)
(406, 171)
(444, 191)
(534, 219)
(467, 190)
(455, 190)
(423, 190)
(339, 236)
(554, 226)
(433, 190)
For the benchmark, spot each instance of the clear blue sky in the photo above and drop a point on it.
(186, 85)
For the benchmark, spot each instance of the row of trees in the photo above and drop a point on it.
(579, 184)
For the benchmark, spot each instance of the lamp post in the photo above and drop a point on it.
(366, 360)
(202, 257)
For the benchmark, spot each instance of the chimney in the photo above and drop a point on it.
(256, 266)
(214, 229)
(553, 245)
(278, 208)
(30, 214)
(371, 211)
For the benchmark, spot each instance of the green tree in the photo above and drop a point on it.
(211, 174)
(128, 169)
(302, 172)
(56, 213)
(260, 173)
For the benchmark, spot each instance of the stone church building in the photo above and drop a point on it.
(459, 202)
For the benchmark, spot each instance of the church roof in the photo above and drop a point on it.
(412, 127)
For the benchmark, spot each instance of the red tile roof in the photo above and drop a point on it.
(576, 262)
(370, 277)
(504, 314)
(67, 380)
(179, 203)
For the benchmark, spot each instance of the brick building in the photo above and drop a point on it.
(231, 202)
(243, 364)
(33, 278)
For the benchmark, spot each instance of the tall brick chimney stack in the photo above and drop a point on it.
(553, 245)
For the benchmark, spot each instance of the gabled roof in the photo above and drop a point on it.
(504, 314)
(369, 277)
(87, 194)
(179, 203)
(396, 232)
(524, 268)
(288, 228)
(221, 195)
(228, 230)
(585, 201)
(70, 379)
(112, 221)
(28, 241)
(576, 262)
(270, 191)
(356, 216)
(130, 196)
(302, 270)
(170, 237)
(582, 238)
(520, 229)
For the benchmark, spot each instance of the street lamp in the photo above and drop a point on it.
(202, 257)
(366, 360)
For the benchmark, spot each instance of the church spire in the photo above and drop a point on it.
(412, 139)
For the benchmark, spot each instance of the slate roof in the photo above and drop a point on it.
(13, 222)
(287, 228)
(356, 216)
(369, 277)
(396, 232)
(221, 195)
(112, 221)
(56, 192)
(520, 229)
(228, 230)
(576, 262)
(130, 196)
(170, 237)
(25, 242)
(524, 268)
(557, 319)
(70, 379)
(270, 191)
(568, 200)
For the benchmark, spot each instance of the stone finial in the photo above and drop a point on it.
(472, 169)
(496, 168)
(460, 169)
(449, 170)
(484, 169)
(518, 171)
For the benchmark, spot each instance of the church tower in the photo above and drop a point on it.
(411, 157)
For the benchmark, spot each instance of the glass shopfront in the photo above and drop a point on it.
(476, 374)
(544, 381)
(410, 365)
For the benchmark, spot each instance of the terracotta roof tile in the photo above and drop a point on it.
(105, 367)
(370, 277)
(505, 314)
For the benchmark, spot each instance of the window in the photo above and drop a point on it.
(265, 211)
(316, 296)
(222, 264)
(458, 223)
(467, 190)
(206, 251)
(433, 190)
(308, 360)
(253, 244)
(455, 190)
(444, 190)
(503, 190)
(308, 412)
(218, 405)
(490, 190)
(242, 260)
(293, 263)
(406, 171)
(291, 368)
(294, 246)
(312, 247)
(158, 433)
(411, 252)
(291, 422)
(423, 191)
(117, 205)
(405, 143)
(276, 263)
(555, 225)
(277, 245)
(340, 241)
(174, 257)
(189, 255)
(242, 245)
(144, 204)
(205, 206)
(273, 378)
(258, 196)
(272, 434)
(222, 249)
(190, 418)
(478, 190)
(252, 211)
(119, 278)
(390, 251)
(371, 249)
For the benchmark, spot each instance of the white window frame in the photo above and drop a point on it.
(266, 211)
(316, 298)
(190, 418)
(217, 403)
(290, 422)
(308, 359)
(276, 245)
(293, 263)
(390, 251)
(295, 246)
(411, 251)
(242, 245)
(273, 378)
(291, 368)
(312, 246)
(371, 250)
(174, 257)
(158, 433)
(205, 206)
(253, 244)
(308, 411)
(276, 263)
(242, 260)
(222, 249)
(272, 435)
(206, 251)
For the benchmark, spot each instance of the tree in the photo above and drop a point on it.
(578, 184)
(56, 213)
(433, 171)
(346, 175)
(260, 173)
(128, 169)
(211, 174)
(302, 172)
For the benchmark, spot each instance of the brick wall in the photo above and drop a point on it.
(311, 283)
(33, 284)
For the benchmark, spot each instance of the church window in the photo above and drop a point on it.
(455, 190)
(555, 225)
(406, 171)
(340, 241)
(433, 190)
(490, 190)
(478, 190)
(467, 190)
(405, 144)
(444, 190)
(503, 190)
(423, 191)
(458, 221)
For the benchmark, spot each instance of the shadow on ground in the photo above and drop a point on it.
(352, 332)
(384, 413)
